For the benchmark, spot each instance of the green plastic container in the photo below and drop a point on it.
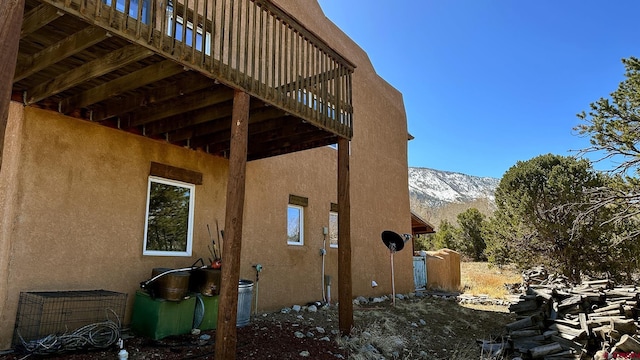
(158, 318)
(206, 313)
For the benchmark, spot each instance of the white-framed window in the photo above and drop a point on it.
(333, 229)
(168, 229)
(295, 225)
(189, 34)
(133, 8)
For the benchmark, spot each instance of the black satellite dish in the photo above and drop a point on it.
(395, 242)
(392, 240)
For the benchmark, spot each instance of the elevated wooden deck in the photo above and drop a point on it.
(167, 69)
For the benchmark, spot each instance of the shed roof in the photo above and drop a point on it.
(420, 225)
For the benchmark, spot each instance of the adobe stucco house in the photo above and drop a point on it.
(103, 109)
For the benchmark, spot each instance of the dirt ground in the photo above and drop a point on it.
(426, 327)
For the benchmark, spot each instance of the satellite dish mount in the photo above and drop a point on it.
(394, 242)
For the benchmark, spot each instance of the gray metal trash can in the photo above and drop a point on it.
(245, 291)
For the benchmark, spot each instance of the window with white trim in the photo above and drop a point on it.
(333, 229)
(168, 227)
(295, 225)
(133, 8)
(295, 219)
(188, 34)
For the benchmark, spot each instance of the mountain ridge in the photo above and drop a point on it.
(438, 195)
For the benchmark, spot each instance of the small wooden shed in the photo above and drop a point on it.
(443, 270)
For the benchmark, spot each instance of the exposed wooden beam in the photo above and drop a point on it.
(37, 18)
(90, 70)
(276, 142)
(262, 153)
(10, 23)
(66, 47)
(216, 132)
(199, 100)
(190, 83)
(183, 124)
(175, 173)
(145, 76)
(345, 305)
(197, 123)
(226, 333)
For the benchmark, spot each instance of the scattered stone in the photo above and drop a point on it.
(310, 334)
(296, 308)
(422, 322)
(400, 296)
(285, 310)
(300, 317)
(298, 334)
(320, 330)
(324, 338)
(195, 332)
(203, 339)
(335, 332)
(414, 325)
(378, 300)
(361, 300)
(424, 354)
(304, 353)
(312, 308)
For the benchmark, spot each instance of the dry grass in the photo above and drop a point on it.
(478, 278)
(433, 328)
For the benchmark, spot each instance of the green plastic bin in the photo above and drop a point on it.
(158, 318)
(206, 313)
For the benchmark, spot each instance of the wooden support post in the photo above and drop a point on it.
(345, 306)
(11, 12)
(226, 333)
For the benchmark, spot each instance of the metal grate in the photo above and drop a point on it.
(45, 313)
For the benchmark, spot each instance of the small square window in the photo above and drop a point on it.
(295, 225)
(333, 229)
(168, 228)
(133, 8)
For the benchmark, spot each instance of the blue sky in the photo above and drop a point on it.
(487, 83)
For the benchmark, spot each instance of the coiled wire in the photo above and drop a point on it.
(96, 335)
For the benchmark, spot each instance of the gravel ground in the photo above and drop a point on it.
(418, 327)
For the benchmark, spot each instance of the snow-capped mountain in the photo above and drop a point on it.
(435, 188)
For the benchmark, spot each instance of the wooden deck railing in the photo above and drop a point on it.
(248, 44)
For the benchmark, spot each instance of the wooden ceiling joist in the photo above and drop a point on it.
(131, 81)
(92, 69)
(119, 105)
(38, 18)
(66, 47)
(198, 100)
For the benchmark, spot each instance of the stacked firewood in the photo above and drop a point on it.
(559, 321)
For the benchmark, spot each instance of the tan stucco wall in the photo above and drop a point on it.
(379, 176)
(74, 196)
(78, 221)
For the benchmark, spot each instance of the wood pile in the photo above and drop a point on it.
(558, 321)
